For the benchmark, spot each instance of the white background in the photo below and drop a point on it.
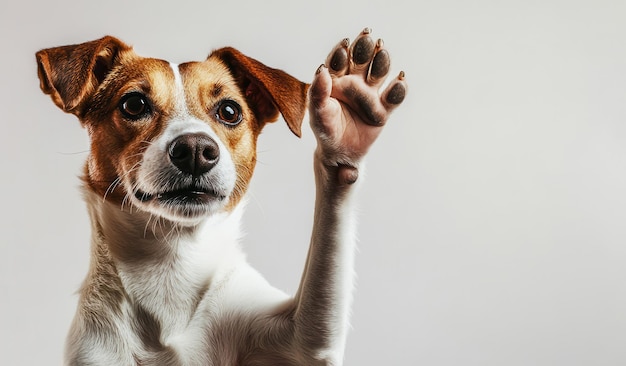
(492, 218)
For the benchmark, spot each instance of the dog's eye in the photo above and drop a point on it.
(229, 113)
(134, 106)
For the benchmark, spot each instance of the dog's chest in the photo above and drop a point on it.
(213, 329)
(170, 287)
(168, 290)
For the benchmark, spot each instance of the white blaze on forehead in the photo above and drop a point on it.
(179, 91)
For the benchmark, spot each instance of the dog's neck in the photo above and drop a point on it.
(134, 236)
(158, 266)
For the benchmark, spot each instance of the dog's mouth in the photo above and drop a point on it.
(194, 196)
(183, 204)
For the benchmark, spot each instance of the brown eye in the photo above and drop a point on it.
(229, 113)
(134, 106)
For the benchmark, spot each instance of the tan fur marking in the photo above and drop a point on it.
(117, 143)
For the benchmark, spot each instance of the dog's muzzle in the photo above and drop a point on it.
(192, 183)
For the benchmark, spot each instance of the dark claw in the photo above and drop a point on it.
(363, 50)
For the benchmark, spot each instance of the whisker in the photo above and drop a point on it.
(116, 182)
(73, 153)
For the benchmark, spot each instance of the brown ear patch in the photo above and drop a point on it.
(258, 99)
(71, 74)
(268, 90)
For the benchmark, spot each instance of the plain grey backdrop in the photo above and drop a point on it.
(492, 217)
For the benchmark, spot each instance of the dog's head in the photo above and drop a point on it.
(176, 141)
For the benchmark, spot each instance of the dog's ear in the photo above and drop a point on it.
(71, 74)
(267, 90)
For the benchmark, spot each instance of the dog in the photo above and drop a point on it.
(172, 152)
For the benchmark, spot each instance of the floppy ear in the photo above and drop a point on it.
(71, 74)
(267, 90)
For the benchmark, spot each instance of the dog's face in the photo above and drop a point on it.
(175, 141)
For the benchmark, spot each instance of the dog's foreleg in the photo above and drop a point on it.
(325, 294)
(347, 114)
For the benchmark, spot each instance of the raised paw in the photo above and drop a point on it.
(347, 109)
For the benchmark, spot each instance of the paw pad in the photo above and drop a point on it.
(396, 94)
(380, 65)
(338, 59)
(347, 106)
(363, 50)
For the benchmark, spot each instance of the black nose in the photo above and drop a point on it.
(194, 153)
